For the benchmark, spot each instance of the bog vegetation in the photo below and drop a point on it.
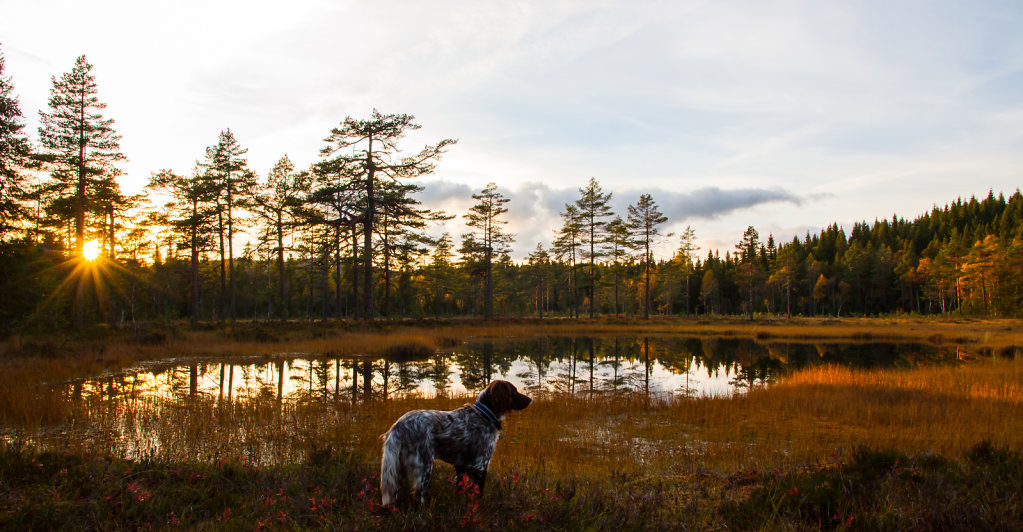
(347, 238)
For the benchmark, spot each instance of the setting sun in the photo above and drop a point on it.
(90, 250)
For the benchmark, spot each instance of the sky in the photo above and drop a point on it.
(784, 115)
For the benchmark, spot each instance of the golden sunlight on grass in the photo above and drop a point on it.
(815, 415)
(90, 250)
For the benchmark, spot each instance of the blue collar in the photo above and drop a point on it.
(486, 412)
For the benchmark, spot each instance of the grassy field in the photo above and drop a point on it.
(929, 447)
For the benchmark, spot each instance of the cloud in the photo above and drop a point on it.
(534, 208)
(712, 202)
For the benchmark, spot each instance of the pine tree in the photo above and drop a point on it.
(81, 145)
(189, 213)
(644, 219)
(277, 203)
(15, 152)
(233, 182)
(539, 262)
(362, 149)
(687, 249)
(566, 244)
(619, 242)
(489, 240)
(594, 207)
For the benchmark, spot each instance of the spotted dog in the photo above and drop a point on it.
(465, 438)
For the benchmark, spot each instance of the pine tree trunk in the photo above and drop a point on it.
(282, 290)
(367, 295)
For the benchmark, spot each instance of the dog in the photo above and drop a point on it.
(465, 438)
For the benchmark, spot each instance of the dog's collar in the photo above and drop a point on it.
(486, 412)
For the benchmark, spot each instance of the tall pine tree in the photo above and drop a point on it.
(14, 156)
(644, 219)
(229, 175)
(488, 240)
(367, 151)
(594, 208)
(82, 146)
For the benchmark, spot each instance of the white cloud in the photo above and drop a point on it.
(884, 106)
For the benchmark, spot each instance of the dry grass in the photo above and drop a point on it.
(815, 415)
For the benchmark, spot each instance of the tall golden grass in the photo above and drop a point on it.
(814, 415)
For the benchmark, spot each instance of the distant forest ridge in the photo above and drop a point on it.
(345, 238)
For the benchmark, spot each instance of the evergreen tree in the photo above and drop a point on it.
(539, 262)
(189, 213)
(687, 249)
(488, 240)
(277, 203)
(594, 207)
(747, 248)
(619, 243)
(367, 151)
(15, 152)
(566, 244)
(233, 183)
(644, 219)
(81, 145)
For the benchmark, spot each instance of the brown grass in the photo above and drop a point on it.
(815, 415)
(806, 417)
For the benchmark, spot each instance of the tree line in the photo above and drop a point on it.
(347, 238)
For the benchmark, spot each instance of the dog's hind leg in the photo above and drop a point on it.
(420, 470)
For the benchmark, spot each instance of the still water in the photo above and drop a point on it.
(648, 365)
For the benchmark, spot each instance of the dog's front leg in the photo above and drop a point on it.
(471, 474)
(478, 477)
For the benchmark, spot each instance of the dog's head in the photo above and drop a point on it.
(502, 397)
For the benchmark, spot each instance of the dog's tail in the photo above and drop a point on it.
(390, 470)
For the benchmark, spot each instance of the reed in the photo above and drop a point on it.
(804, 419)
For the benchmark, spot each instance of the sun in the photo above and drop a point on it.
(90, 250)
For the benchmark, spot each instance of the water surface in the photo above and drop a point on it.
(585, 365)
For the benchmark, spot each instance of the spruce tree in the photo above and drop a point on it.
(747, 248)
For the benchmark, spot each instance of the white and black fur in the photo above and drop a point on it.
(465, 438)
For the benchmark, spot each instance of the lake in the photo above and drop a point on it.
(692, 366)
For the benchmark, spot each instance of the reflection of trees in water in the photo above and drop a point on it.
(536, 356)
(759, 371)
(437, 371)
(562, 364)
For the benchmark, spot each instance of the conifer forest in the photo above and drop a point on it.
(347, 238)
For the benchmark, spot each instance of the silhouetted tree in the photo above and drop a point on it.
(234, 184)
(277, 203)
(15, 152)
(82, 145)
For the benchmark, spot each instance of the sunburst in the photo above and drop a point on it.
(90, 250)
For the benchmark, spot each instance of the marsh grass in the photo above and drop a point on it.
(771, 455)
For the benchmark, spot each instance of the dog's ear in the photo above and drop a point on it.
(503, 397)
(500, 395)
